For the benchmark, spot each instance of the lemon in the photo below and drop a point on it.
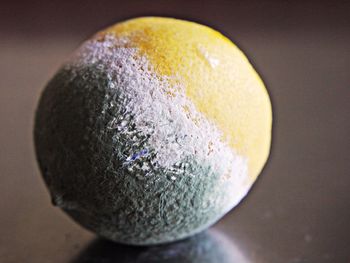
(152, 130)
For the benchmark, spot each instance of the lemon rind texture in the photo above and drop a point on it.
(128, 151)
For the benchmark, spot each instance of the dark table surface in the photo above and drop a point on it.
(298, 211)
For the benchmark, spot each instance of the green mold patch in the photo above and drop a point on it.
(106, 168)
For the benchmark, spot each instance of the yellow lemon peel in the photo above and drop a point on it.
(217, 76)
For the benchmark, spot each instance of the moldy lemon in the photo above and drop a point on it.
(152, 130)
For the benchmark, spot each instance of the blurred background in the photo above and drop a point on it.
(299, 209)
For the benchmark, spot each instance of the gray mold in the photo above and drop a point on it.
(94, 171)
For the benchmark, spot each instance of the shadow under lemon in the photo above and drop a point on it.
(208, 247)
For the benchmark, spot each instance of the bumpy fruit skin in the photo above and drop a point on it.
(152, 130)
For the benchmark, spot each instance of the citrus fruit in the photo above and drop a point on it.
(152, 130)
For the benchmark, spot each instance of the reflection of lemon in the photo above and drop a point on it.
(153, 130)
